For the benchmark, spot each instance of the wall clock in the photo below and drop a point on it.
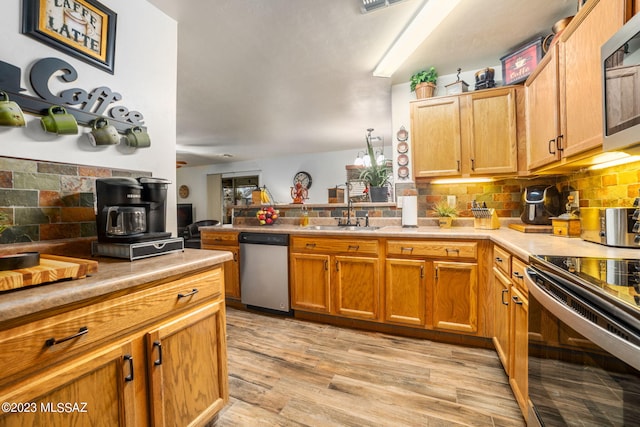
(183, 191)
(303, 178)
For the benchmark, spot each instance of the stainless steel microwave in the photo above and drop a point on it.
(621, 89)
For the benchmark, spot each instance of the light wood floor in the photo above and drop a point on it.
(286, 372)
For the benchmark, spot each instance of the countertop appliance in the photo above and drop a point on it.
(584, 341)
(539, 204)
(621, 97)
(609, 226)
(264, 271)
(131, 210)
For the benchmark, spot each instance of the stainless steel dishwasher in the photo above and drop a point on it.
(264, 270)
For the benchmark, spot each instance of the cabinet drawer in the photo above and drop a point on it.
(324, 245)
(219, 238)
(517, 274)
(432, 248)
(502, 260)
(44, 342)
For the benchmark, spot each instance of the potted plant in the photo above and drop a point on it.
(376, 175)
(423, 83)
(445, 214)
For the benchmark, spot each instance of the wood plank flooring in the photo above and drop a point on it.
(287, 372)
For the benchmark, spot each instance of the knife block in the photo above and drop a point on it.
(486, 219)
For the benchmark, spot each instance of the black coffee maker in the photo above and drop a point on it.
(131, 210)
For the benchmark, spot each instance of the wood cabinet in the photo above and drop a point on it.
(501, 299)
(467, 134)
(564, 94)
(154, 356)
(406, 291)
(518, 366)
(226, 241)
(455, 296)
(335, 275)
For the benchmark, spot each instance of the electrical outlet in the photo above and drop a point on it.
(451, 201)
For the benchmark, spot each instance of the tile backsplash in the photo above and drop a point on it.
(42, 200)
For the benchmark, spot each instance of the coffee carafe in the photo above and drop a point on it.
(131, 210)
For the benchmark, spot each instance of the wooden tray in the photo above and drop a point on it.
(530, 228)
(51, 269)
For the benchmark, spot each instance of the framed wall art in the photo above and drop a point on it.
(517, 65)
(85, 29)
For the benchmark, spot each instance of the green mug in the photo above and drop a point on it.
(60, 122)
(103, 133)
(10, 112)
(137, 137)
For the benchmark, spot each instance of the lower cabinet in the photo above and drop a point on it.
(502, 326)
(336, 276)
(455, 296)
(226, 241)
(406, 291)
(159, 359)
(518, 364)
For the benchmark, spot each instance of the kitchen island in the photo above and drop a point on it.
(136, 343)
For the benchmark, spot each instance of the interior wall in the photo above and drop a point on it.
(145, 75)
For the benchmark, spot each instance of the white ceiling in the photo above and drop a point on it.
(262, 78)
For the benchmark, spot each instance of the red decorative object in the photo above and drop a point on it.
(518, 65)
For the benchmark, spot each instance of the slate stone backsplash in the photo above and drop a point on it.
(44, 200)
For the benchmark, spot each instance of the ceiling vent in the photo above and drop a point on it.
(371, 5)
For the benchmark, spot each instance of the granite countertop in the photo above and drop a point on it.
(113, 275)
(518, 243)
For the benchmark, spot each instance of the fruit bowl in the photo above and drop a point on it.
(267, 215)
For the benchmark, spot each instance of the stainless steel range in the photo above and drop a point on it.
(584, 341)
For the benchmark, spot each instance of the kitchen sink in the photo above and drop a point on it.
(341, 228)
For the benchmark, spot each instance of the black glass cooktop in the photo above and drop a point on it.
(616, 277)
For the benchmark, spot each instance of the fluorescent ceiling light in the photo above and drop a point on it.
(461, 180)
(427, 20)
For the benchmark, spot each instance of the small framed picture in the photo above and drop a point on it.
(519, 64)
(85, 29)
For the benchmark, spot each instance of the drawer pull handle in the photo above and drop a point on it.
(310, 245)
(498, 259)
(408, 249)
(52, 341)
(354, 247)
(516, 300)
(326, 265)
(235, 257)
(337, 265)
(517, 275)
(504, 291)
(422, 271)
(129, 358)
(456, 251)
(193, 292)
(158, 361)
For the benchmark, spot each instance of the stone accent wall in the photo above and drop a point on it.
(43, 200)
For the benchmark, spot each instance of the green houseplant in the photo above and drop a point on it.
(445, 213)
(423, 83)
(376, 176)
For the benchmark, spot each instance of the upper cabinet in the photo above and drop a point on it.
(564, 94)
(470, 134)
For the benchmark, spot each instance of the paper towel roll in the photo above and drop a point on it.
(409, 211)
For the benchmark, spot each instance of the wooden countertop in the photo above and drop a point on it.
(520, 244)
(113, 276)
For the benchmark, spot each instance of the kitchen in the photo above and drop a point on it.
(157, 106)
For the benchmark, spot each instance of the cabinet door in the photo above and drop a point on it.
(581, 77)
(435, 126)
(405, 291)
(493, 140)
(94, 390)
(188, 368)
(356, 288)
(543, 120)
(231, 270)
(519, 364)
(455, 296)
(310, 282)
(501, 298)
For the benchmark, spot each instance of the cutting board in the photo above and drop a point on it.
(51, 269)
(530, 228)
